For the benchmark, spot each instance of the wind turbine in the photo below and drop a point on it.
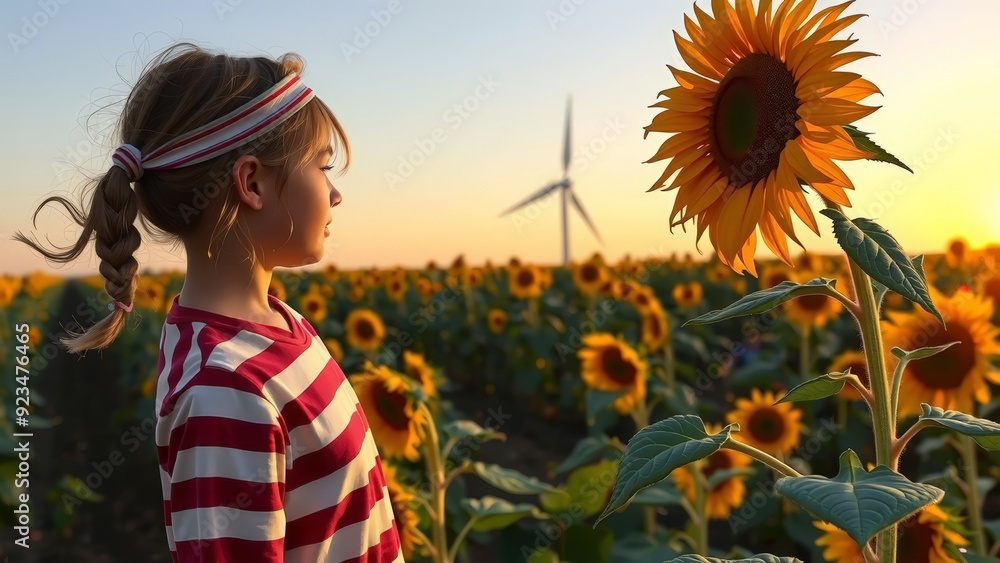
(565, 186)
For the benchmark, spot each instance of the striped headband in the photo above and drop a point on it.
(242, 125)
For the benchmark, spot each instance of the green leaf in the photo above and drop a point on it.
(586, 490)
(462, 429)
(657, 450)
(761, 558)
(862, 141)
(596, 400)
(881, 257)
(584, 451)
(492, 513)
(985, 432)
(664, 493)
(921, 353)
(510, 480)
(764, 300)
(860, 503)
(818, 388)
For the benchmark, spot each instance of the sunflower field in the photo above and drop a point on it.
(505, 401)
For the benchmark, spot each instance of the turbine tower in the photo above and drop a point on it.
(565, 186)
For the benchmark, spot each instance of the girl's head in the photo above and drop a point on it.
(268, 193)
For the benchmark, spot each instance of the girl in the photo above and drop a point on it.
(264, 450)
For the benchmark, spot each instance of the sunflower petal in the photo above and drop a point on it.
(728, 21)
(801, 208)
(832, 192)
(694, 59)
(821, 162)
(739, 217)
(815, 54)
(748, 24)
(833, 111)
(819, 84)
(676, 122)
(856, 91)
(800, 163)
(691, 81)
(677, 144)
(775, 239)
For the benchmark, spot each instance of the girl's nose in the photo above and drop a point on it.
(335, 197)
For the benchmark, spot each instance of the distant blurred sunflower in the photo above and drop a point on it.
(642, 297)
(654, 328)
(688, 294)
(406, 519)
(149, 294)
(365, 329)
(313, 305)
(38, 281)
(497, 320)
(955, 378)
(716, 271)
(589, 277)
(395, 288)
(922, 539)
(525, 281)
(392, 416)
(813, 310)
(7, 291)
(331, 272)
(855, 361)
(472, 277)
(357, 292)
(773, 274)
(768, 427)
(610, 364)
(335, 349)
(416, 367)
(765, 109)
(726, 495)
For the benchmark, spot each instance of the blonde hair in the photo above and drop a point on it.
(182, 88)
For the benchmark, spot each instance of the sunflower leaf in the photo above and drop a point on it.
(586, 450)
(462, 429)
(877, 253)
(985, 432)
(879, 289)
(511, 480)
(765, 300)
(491, 513)
(760, 558)
(862, 141)
(818, 388)
(656, 450)
(856, 501)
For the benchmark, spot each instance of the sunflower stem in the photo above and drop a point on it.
(461, 536)
(701, 506)
(883, 420)
(971, 469)
(763, 457)
(870, 556)
(435, 470)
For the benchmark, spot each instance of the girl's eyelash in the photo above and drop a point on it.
(327, 167)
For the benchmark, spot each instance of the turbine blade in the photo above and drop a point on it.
(566, 144)
(539, 194)
(586, 218)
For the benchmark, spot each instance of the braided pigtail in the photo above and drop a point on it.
(111, 222)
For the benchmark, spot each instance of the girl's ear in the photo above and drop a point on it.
(250, 180)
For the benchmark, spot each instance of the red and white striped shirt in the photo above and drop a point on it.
(265, 453)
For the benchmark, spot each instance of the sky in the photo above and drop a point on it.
(455, 111)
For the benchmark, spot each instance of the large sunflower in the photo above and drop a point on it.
(951, 379)
(407, 520)
(392, 416)
(726, 495)
(610, 364)
(921, 540)
(768, 427)
(365, 329)
(764, 109)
